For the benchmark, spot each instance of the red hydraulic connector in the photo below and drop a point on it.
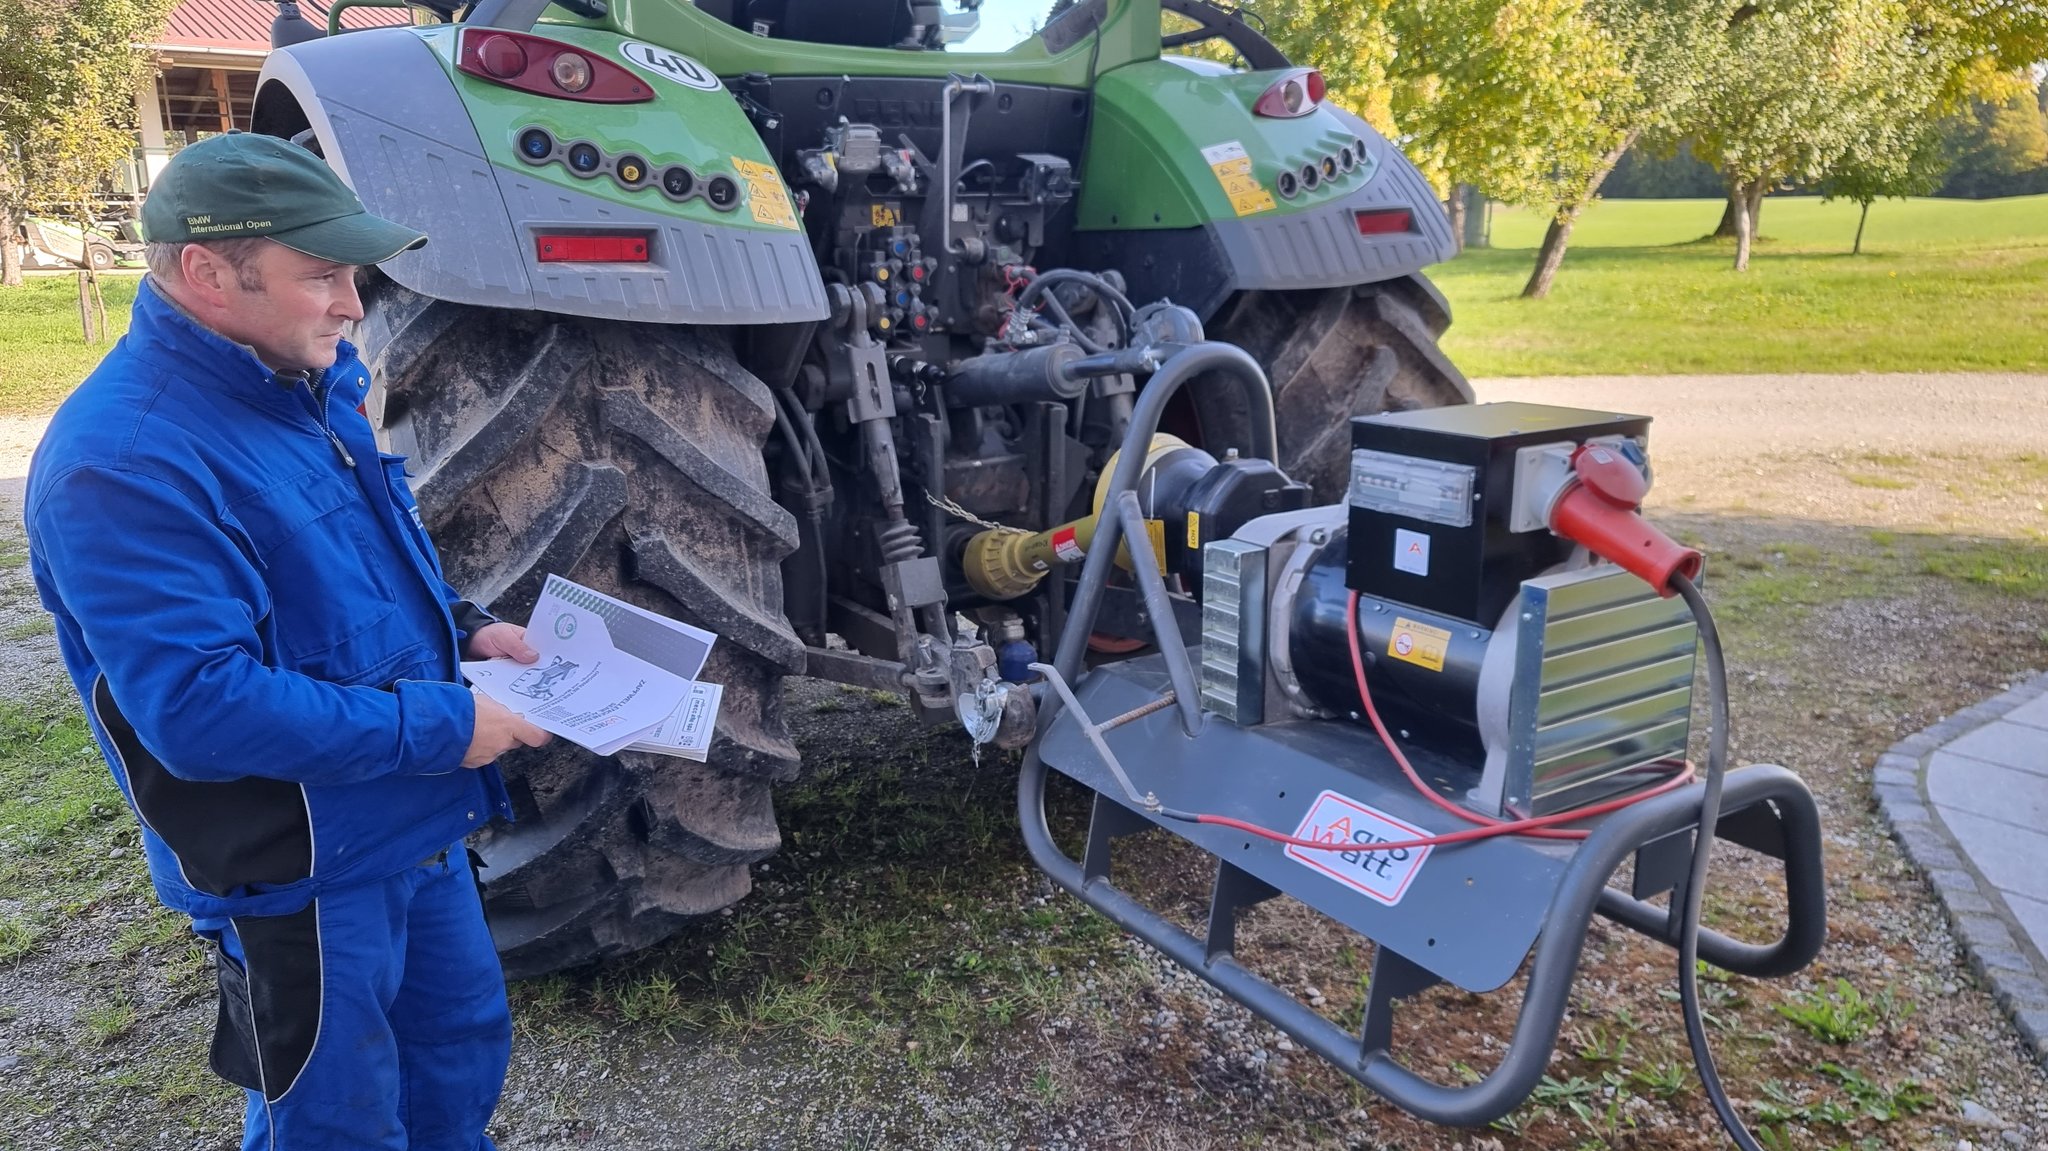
(1598, 508)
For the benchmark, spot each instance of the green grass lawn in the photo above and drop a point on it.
(1943, 285)
(41, 355)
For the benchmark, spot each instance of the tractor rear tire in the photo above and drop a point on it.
(625, 457)
(1330, 354)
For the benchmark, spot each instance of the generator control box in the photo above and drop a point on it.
(1433, 499)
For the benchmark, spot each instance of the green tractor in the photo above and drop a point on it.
(782, 318)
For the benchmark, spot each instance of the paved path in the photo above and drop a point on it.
(1968, 798)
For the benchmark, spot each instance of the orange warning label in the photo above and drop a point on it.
(1233, 168)
(766, 197)
(1418, 643)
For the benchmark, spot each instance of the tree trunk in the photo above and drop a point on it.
(1738, 206)
(92, 308)
(10, 252)
(1475, 218)
(1725, 230)
(1455, 209)
(1551, 256)
(1559, 235)
(1755, 203)
(1861, 220)
(1753, 200)
(85, 314)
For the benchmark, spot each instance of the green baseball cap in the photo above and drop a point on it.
(243, 184)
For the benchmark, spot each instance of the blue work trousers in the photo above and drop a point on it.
(374, 1020)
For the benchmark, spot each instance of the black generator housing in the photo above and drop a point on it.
(1431, 498)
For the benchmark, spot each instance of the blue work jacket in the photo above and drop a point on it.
(255, 620)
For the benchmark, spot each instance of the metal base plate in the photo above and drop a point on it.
(1466, 913)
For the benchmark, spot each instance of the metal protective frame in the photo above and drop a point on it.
(1768, 810)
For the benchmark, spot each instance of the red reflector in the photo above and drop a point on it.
(501, 56)
(591, 249)
(1384, 222)
(529, 63)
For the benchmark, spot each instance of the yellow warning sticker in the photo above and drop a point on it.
(766, 196)
(1418, 643)
(1233, 168)
(1155, 532)
(883, 215)
(1194, 530)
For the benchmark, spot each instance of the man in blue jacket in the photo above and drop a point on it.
(267, 651)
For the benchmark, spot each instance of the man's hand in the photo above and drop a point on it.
(501, 639)
(498, 730)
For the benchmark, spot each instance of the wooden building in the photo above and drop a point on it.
(205, 82)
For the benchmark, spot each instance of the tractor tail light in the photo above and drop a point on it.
(587, 248)
(1385, 222)
(1295, 94)
(547, 68)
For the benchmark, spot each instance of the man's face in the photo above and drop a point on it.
(290, 307)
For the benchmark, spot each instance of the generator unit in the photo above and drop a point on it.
(1485, 634)
(1443, 713)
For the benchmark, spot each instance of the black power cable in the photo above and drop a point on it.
(1696, 878)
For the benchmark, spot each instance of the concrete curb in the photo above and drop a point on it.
(1997, 947)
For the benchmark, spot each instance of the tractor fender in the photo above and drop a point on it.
(384, 111)
(1158, 201)
(1324, 248)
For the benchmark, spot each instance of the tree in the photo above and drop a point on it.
(1504, 95)
(1500, 95)
(1790, 86)
(1891, 165)
(1997, 148)
(68, 75)
(1898, 153)
(1661, 47)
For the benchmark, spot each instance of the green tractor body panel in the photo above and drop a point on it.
(1175, 145)
(1082, 146)
(436, 149)
(699, 128)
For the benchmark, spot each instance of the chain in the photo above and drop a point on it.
(952, 509)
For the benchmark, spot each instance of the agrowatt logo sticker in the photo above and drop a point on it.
(1381, 875)
(670, 65)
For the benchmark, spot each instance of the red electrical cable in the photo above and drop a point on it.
(1538, 827)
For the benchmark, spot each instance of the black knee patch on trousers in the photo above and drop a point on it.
(269, 1004)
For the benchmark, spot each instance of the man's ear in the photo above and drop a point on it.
(206, 275)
